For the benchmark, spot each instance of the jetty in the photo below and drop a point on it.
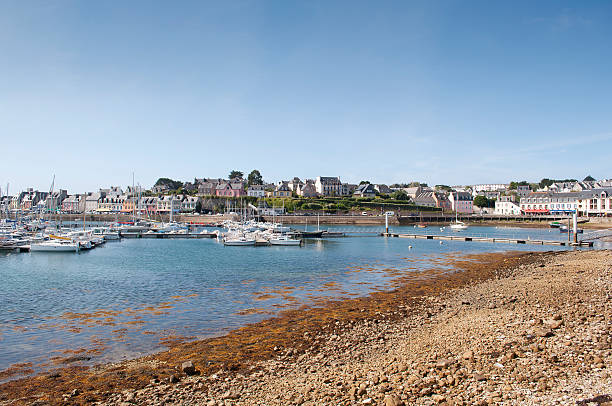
(490, 239)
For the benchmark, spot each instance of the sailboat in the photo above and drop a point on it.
(457, 225)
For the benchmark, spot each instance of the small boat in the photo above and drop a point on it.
(311, 234)
(55, 246)
(555, 224)
(284, 240)
(239, 241)
(565, 229)
(422, 225)
(332, 234)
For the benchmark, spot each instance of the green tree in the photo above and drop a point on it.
(483, 201)
(255, 178)
(198, 207)
(589, 179)
(169, 183)
(399, 195)
(364, 181)
(546, 182)
(235, 175)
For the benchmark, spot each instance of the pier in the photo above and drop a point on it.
(489, 239)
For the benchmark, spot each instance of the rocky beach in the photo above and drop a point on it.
(524, 329)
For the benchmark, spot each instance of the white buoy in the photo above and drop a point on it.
(410, 247)
(440, 242)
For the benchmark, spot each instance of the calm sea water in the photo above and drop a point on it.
(128, 298)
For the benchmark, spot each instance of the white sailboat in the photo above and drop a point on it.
(458, 225)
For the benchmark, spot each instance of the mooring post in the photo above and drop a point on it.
(386, 223)
(575, 228)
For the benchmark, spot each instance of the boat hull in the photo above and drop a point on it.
(285, 242)
(239, 243)
(54, 248)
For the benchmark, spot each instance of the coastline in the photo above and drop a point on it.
(292, 339)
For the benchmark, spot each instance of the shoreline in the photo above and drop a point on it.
(239, 350)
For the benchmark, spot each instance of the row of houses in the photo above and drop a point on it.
(591, 202)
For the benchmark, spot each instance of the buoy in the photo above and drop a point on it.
(440, 242)
(410, 247)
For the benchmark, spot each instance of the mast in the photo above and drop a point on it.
(133, 206)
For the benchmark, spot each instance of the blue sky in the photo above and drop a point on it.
(452, 92)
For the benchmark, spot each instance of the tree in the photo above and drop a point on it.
(399, 195)
(198, 207)
(169, 183)
(364, 181)
(546, 182)
(235, 175)
(589, 179)
(446, 188)
(483, 201)
(254, 178)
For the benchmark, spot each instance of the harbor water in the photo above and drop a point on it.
(137, 296)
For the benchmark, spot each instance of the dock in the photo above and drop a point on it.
(139, 234)
(490, 239)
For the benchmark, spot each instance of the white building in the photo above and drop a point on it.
(328, 186)
(507, 205)
(256, 191)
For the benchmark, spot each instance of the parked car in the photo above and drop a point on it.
(389, 213)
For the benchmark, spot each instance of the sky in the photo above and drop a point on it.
(444, 92)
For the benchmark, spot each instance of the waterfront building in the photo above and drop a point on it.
(523, 190)
(230, 189)
(71, 204)
(110, 204)
(365, 190)
(461, 202)
(425, 199)
(507, 205)
(294, 184)
(54, 201)
(536, 203)
(308, 189)
(168, 203)
(149, 205)
(384, 189)
(281, 190)
(488, 187)
(91, 202)
(328, 186)
(188, 204)
(256, 191)
(442, 201)
(128, 205)
(596, 202)
(348, 189)
(413, 192)
(563, 203)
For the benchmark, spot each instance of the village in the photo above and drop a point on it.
(587, 198)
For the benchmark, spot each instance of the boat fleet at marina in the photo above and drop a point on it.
(47, 236)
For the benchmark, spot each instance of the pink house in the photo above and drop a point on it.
(230, 189)
(461, 202)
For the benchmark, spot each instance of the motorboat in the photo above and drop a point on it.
(284, 240)
(238, 241)
(55, 246)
